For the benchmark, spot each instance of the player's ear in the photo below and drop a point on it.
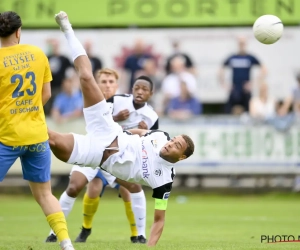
(18, 33)
(182, 157)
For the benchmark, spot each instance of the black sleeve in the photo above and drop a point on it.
(111, 99)
(155, 125)
(162, 192)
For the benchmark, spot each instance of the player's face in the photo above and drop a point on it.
(174, 149)
(141, 91)
(108, 85)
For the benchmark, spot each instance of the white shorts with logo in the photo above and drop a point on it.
(101, 131)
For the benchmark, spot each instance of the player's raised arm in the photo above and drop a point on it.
(159, 221)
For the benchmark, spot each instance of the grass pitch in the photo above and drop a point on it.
(205, 222)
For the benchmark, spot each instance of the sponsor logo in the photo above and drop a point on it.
(154, 143)
(145, 161)
(106, 113)
(158, 172)
(166, 195)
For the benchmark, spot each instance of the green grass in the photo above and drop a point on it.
(207, 222)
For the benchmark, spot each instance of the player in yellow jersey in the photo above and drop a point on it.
(24, 88)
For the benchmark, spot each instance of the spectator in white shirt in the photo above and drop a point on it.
(262, 107)
(171, 84)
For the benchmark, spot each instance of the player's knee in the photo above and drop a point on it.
(134, 188)
(85, 76)
(73, 190)
(95, 188)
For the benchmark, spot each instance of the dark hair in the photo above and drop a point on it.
(147, 79)
(10, 22)
(190, 146)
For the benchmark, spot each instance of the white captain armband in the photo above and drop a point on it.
(161, 204)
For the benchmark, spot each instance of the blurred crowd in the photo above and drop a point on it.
(175, 85)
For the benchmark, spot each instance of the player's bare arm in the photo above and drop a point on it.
(142, 125)
(46, 93)
(157, 227)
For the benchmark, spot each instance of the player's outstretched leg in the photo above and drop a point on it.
(91, 92)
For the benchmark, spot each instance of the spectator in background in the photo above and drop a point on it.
(262, 107)
(69, 103)
(265, 109)
(241, 65)
(293, 101)
(136, 60)
(184, 106)
(95, 61)
(176, 52)
(150, 69)
(58, 65)
(171, 84)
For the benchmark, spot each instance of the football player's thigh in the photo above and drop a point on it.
(36, 163)
(99, 120)
(88, 172)
(8, 156)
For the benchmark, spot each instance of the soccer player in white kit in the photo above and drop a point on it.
(139, 156)
(132, 195)
(129, 111)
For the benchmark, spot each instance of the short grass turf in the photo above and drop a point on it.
(208, 222)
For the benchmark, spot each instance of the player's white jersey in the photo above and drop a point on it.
(138, 161)
(146, 113)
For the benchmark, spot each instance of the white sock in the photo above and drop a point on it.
(138, 203)
(74, 44)
(66, 202)
(66, 244)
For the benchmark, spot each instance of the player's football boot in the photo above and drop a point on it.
(134, 239)
(51, 238)
(83, 235)
(142, 239)
(63, 21)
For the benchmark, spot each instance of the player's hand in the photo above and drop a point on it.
(142, 125)
(122, 115)
(247, 87)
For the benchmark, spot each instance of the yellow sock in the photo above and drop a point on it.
(57, 222)
(90, 207)
(130, 217)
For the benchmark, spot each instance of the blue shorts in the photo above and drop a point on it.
(35, 160)
(105, 182)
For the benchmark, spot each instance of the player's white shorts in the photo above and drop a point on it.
(110, 178)
(101, 131)
(89, 173)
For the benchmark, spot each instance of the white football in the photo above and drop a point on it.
(268, 29)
